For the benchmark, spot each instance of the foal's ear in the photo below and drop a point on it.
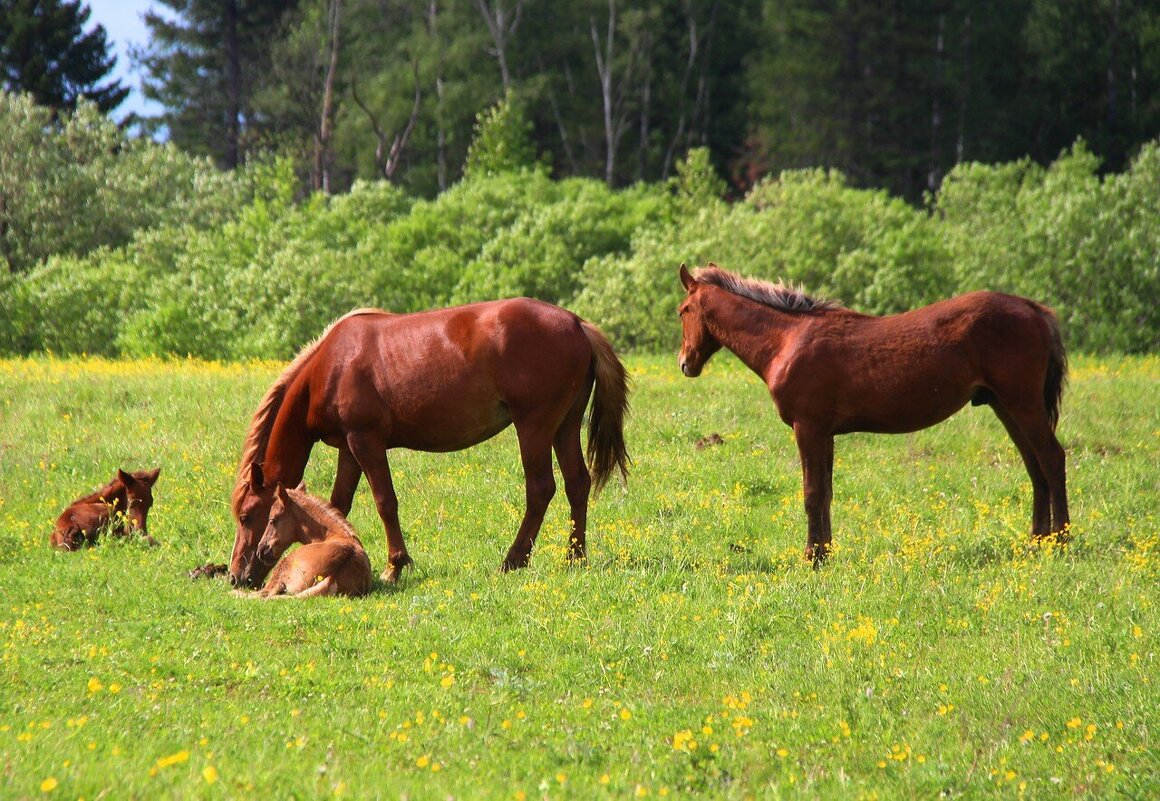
(150, 476)
(687, 280)
(257, 479)
(123, 477)
(301, 486)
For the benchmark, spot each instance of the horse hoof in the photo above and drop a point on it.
(395, 569)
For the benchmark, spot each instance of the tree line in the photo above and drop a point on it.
(893, 94)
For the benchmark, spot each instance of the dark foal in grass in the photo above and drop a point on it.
(120, 507)
(832, 371)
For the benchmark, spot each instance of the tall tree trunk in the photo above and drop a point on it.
(604, 71)
(321, 173)
(933, 173)
(432, 19)
(233, 71)
(501, 24)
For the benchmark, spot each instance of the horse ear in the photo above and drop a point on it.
(150, 476)
(301, 486)
(123, 477)
(687, 280)
(257, 479)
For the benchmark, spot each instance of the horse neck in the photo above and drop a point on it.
(114, 493)
(752, 331)
(288, 445)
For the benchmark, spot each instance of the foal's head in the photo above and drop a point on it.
(697, 342)
(138, 496)
(283, 528)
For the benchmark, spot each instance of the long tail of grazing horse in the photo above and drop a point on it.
(606, 448)
(1056, 369)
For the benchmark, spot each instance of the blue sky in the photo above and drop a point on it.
(125, 26)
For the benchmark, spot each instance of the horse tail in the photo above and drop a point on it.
(606, 448)
(1056, 368)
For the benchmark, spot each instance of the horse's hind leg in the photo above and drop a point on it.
(577, 481)
(1031, 420)
(1040, 497)
(328, 586)
(535, 438)
(372, 458)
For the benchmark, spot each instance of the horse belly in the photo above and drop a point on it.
(454, 420)
(899, 407)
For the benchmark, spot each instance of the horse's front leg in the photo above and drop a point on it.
(346, 480)
(816, 449)
(371, 454)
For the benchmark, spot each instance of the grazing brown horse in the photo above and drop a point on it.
(440, 380)
(121, 507)
(331, 561)
(832, 371)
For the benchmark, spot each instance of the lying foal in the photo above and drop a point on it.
(331, 561)
(120, 507)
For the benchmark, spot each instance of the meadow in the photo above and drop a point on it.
(938, 654)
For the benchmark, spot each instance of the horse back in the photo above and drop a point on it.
(447, 378)
(910, 370)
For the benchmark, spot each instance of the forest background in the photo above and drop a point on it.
(315, 156)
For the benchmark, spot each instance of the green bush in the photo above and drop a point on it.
(542, 254)
(266, 276)
(1084, 245)
(72, 183)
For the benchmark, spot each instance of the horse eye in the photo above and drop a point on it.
(244, 518)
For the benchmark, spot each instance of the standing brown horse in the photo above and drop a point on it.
(121, 506)
(331, 561)
(832, 371)
(440, 380)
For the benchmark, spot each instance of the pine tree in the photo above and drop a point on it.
(46, 52)
(202, 64)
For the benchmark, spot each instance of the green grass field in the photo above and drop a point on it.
(937, 654)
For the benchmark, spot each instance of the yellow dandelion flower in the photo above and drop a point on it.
(210, 774)
(625, 714)
(48, 785)
(173, 759)
(95, 685)
(423, 761)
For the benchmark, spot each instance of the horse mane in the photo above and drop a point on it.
(258, 437)
(322, 511)
(775, 295)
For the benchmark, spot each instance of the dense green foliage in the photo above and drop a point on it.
(893, 95)
(269, 278)
(936, 655)
(70, 183)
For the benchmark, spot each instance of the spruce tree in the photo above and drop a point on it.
(46, 52)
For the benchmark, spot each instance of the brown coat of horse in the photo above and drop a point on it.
(121, 506)
(331, 561)
(440, 380)
(832, 371)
